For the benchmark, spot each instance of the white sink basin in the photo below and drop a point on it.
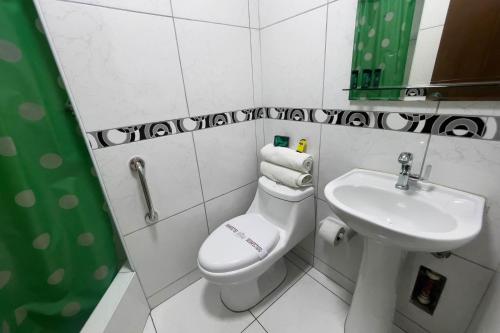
(426, 217)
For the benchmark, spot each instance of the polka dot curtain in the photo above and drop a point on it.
(381, 41)
(57, 253)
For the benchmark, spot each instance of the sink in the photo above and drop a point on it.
(427, 218)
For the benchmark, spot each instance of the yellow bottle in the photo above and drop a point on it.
(302, 147)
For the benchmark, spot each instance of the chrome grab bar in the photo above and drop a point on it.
(138, 164)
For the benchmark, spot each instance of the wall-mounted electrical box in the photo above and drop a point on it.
(427, 290)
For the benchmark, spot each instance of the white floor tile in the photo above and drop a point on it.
(254, 328)
(149, 328)
(293, 274)
(198, 309)
(306, 307)
(345, 295)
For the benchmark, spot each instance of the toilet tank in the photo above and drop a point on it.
(289, 209)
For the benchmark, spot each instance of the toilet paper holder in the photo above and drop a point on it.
(333, 230)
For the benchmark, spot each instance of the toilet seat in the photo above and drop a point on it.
(238, 243)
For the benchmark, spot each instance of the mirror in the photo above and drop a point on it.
(426, 49)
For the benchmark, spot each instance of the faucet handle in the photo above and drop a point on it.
(405, 158)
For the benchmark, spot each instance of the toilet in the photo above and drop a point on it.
(244, 255)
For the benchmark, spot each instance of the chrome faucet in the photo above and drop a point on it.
(405, 159)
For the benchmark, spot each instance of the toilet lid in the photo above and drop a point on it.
(238, 243)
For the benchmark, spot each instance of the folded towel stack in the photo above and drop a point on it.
(286, 166)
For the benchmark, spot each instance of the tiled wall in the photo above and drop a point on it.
(135, 62)
(306, 61)
(226, 58)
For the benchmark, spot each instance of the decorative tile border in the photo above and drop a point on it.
(466, 126)
(128, 134)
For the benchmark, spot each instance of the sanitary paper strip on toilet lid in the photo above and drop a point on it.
(238, 243)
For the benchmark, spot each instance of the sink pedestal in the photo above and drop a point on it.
(374, 301)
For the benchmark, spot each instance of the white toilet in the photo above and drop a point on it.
(244, 255)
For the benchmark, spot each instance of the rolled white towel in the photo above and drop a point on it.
(287, 158)
(285, 176)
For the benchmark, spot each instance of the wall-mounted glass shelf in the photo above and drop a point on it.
(429, 86)
(435, 92)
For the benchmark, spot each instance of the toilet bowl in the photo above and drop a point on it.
(244, 255)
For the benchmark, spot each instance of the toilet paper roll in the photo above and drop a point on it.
(333, 231)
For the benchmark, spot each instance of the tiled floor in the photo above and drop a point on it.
(307, 301)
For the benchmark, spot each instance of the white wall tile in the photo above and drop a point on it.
(199, 309)
(160, 7)
(168, 250)
(434, 13)
(253, 6)
(123, 307)
(229, 205)
(473, 166)
(272, 11)
(216, 63)
(466, 283)
(292, 61)
(345, 148)
(257, 68)
(226, 157)
(424, 58)
(344, 257)
(340, 40)
(131, 313)
(296, 131)
(483, 108)
(171, 172)
(220, 11)
(486, 319)
(116, 77)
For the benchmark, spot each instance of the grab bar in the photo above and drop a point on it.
(138, 164)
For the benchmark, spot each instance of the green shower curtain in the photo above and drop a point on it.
(57, 252)
(381, 41)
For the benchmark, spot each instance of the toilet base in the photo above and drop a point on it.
(242, 296)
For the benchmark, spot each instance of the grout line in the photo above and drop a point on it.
(151, 13)
(428, 144)
(262, 326)
(251, 54)
(414, 322)
(331, 291)
(473, 262)
(343, 275)
(476, 310)
(170, 283)
(291, 17)
(153, 321)
(235, 189)
(324, 60)
(164, 219)
(180, 61)
(201, 185)
(253, 321)
(303, 273)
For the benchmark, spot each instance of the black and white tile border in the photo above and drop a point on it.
(128, 134)
(467, 126)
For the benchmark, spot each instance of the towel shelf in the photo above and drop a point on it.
(137, 164)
